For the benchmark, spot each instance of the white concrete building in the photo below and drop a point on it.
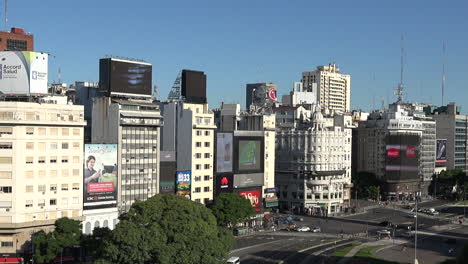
(313, 164)
(332, 88)
(41, 169)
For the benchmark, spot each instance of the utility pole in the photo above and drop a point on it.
(416, 232)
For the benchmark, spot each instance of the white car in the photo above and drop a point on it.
(233, 260)
(316, 229)
(383, 232)
(303, 229)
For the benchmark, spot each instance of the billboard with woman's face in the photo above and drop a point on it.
(100, 175)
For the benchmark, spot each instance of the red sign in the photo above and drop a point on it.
(393, 153)
(410, 151)
(254, 197)
(272, 94)
(224, 181)
(99, 187)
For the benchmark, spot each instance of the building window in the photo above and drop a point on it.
(53, 159)
(197, 189)
(65, 131)
(206, 177)
(65, 173)
(64, 201)
(207, 166)
(207, 144)
(197, 144)
(5, 189)
(42, 131)
(41, 188)
(206, 200)
(53, 202)
(197, 178)
(5, 160)
(7, 243)
(53, 145)
(199, 133)
(29, 188)
(198, 166)
(9, 145)
(207, 133)
(64, 187)
(76, 200)
(198, 155)
(76, 131)
(17, 45)
(65, 159)
(197, 200)
(54, 132)
(29, 203)
(207, 155)
(29, 160)
(53, 187)
(76, 172)
(53, 173)
(76, 186)
(7, 174)
(76, 145)
(30, 131)
(76, 159)
(41, 173)
(206, 189)
(6, 130)
(42, 146)
(41, 203)
(64, 145)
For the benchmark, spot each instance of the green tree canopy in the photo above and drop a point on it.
(373, 192)
(167, 229)
(231, 209)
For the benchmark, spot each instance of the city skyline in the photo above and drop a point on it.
(239, 43)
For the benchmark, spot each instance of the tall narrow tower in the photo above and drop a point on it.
(443, 72)
(399, 89)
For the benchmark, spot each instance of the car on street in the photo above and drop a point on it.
(386, 224)
(233, 260)
(383, 232)
(316, 229)
(303, 229)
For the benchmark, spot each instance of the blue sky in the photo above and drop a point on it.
(237, 42)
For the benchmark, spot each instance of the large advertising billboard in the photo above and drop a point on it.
(194, 86)
(249, 154)
(248, 180)
(224, 183)
(402, 157)
(183, 181)
(224, 152)
(118, 76)
(254, 196)
(23, 72)
(441, 153)
(100, 175)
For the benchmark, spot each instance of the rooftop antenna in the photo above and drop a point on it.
(399, 89)
(59, 75)
(373, 92)
(383, 102)
(443, 72)
(5, 14)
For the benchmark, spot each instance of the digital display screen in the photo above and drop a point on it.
(250, 155)
(224, 152)
(194, 86)
(402, 157)
(124, 77)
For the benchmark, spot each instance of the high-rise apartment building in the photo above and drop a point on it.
(188, 132)
(452, 128)
(135, 126)
(41, 169)
(16, 40)
(332, 88)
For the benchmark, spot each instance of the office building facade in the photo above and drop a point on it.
(16, 40)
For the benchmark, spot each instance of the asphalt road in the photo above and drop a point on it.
(290, 247)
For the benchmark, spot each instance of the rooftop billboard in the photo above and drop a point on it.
(23, 72)
(125, 77)
(100, 176)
